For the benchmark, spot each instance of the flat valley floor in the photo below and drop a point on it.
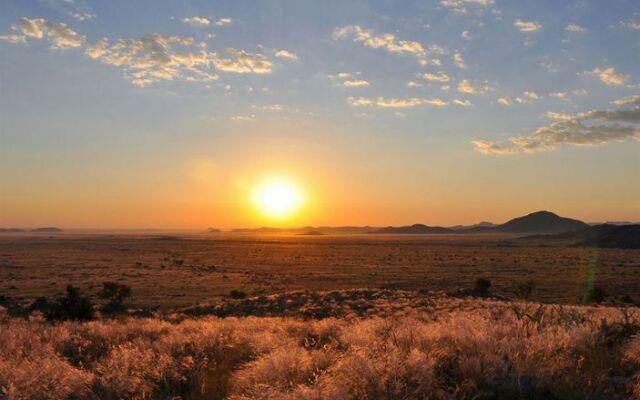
(167, 271)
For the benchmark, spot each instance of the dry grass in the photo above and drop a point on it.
(451, 349)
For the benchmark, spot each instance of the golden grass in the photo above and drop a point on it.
(452, 349)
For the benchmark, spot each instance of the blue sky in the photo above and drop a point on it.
(436, 111)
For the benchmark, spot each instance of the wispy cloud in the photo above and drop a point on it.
(458, 60)
(575, 28)
(609, 76)
(242, 62)
(58, 34)
(527, 26)
(355, 83)
(465, 86)
(579, 130)
(196, 21)
(437, 77)
(386, 41)
(462, 6)
(282, 53)
(224, 22)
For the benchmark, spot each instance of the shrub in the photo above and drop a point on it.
(115, 293)
(237, 294)
(523, 290)
(482, 286)
(73, 306)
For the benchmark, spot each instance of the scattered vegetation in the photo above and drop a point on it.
(115, 294)
(74, 306)
(237, 294)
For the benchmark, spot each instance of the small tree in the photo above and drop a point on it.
(115, 294)
(73, 306)
(523, 290)
(482, 286)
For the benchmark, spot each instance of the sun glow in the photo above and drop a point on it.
(278, 198)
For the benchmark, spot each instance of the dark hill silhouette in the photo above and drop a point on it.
(47, 229)
(540, 222)
(11, 230)
(479, 225)
(311, 233)
(605, 235)
(416, 228)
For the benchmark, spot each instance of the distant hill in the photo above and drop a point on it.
(541, 222)
(11, 230)
(605, 235)
(415, 228)
(311, 233)
(213, 230)
(47, 229)
(479, 226)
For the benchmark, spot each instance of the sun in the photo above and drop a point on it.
(277, 198)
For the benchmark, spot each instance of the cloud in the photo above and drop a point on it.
(633, 25)
(609, 76)
(197, 21)
(224, 22)
(527, 97)
(462, 103)
(153, 58)
(467, 87)
(384, 102)
(465, 35)
(559, 116)
(460, 6)
(242, 117)
(242, 62)
(15, 39)
(436, 102)
(558, 95)
(574, 28)
(505, 101)
(59, 35)
(439, 77)
(81, 15)
(458, 60)
(581, 130)
(343, 75)
(413, 84)
(355, 83)
(527, 26)
(386, 41)
(286, 54)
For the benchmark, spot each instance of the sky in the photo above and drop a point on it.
(167, 114)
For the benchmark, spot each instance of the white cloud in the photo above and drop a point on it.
(384, 102)
(242, 117)
(242, 62)
(462, 103)
(609, 76)
(224, 22)
(355, 83)
(558, 116)
(387, 41)
(343, 75)
(282, 53)
(458, 60)
(505, 101)
(574, 28)
(460, 6)
(527, 97)
(436, 102)
(197, 21)
(59, 34)
(467, 87)
(153, 58)
(82, 15)
(439, 77)
(615, 125)
(465, 35)
(633, 25)
(413, 84)
(559, 95)
(15, 39)
(527, 26)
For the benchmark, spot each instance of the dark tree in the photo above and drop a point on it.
(115, 294)
(73, 306)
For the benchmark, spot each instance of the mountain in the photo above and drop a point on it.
(605, 235)
(478, 227)
(11, 230)
(415, 228)
(47, 229)
(540, 222)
